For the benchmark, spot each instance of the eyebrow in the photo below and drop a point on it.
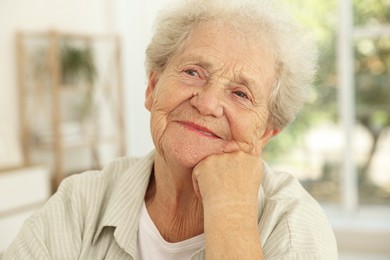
(197, 59)
(240, 77)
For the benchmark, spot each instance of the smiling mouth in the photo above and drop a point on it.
(199, 129)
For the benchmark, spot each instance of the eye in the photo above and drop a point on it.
(191, 72)
(241, 94)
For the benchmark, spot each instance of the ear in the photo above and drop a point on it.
(268, 134)
(149, 94)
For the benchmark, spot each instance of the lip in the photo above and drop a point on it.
(204, 131)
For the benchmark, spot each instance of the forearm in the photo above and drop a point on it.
(231, 232)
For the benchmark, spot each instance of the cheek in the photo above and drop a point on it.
(170, 95)
(166, 100)
(158, 125)
(248, 127)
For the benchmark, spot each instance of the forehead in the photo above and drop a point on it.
(238, 52)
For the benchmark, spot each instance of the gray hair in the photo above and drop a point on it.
(294, 52)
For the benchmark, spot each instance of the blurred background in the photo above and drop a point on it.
(72, 84)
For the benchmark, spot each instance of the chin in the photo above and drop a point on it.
(186, 148)
(188, 156)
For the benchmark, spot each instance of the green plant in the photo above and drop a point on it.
(77, 64)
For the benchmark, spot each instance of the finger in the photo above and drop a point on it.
(254, 149)
(231, 147)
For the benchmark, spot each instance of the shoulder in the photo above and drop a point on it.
(70, 217)
(88, 181)
(81, 195)
(113, 170)
(284, 189)
(87, 192)
(282, 185)
(89, 187)
(293, 221)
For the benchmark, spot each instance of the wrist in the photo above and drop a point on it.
(244, 212)
(232, 231)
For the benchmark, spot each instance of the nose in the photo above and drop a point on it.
(208, 102)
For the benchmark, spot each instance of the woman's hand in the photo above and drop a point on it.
(228, 186)
(228, 178)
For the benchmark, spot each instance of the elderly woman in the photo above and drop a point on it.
(224, 78)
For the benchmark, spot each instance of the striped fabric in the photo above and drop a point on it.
(95, 215)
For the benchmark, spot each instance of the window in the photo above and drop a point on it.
(339, 146)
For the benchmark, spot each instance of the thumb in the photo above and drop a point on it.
(231, 147)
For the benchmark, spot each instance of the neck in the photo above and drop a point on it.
(171, 202)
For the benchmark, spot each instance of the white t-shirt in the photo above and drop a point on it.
(151, 245)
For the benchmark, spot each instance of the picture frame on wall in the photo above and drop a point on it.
(71, 100)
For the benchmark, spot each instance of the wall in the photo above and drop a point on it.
(131, 19)
(75, 16)
(134, 22)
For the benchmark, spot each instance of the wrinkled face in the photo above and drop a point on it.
(213, 96)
